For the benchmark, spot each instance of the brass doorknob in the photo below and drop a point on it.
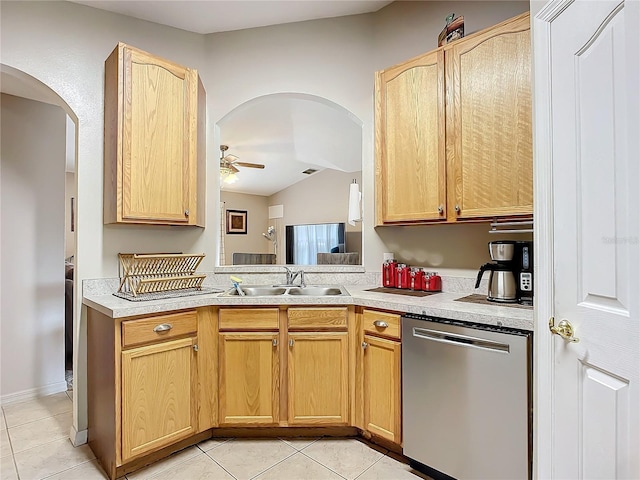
(564, 329)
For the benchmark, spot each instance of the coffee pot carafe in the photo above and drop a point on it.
(502, 282)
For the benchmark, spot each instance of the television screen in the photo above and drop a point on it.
(304, 242)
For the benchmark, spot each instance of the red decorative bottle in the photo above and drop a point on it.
(389, 274)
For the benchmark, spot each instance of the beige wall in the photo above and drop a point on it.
(32, 248)
(257, 208)
(321, 198)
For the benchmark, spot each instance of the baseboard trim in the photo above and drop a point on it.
(78, 437)
(33, 393)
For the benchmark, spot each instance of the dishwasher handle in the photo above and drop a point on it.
(460, 340)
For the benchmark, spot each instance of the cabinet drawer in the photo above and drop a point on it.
(381, 323)
(314, 318)
(249, 319)
(158, 328)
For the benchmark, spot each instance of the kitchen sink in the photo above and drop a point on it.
(265, 291)
(260, 291)
(317, 291)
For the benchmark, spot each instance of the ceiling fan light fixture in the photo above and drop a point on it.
(231, 178)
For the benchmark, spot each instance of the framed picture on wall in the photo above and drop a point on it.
(237, 221)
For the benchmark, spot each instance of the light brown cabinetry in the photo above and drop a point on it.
(410, 141)
(145, 391)
(249, 366)
(453, 131)
(158, 396)
(154, 140)
(284, 366)
(489, 138)
(318, 366)
(382, 375)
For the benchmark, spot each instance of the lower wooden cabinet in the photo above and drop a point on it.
(382, 387)
(144, 392)
(249, 370)
(159, 383)
(318, 374)
(158, 396)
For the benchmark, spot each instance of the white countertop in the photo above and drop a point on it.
(437, 305)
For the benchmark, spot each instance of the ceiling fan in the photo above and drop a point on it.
(228, 164)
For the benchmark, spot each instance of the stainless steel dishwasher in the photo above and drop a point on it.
(466, 396)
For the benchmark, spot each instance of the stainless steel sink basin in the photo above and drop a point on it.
(317, 291)
(265, 291)
(260, 291)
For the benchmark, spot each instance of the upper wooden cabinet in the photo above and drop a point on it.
(410, 141)
(489, 139)
(154, 140)
(453, 131)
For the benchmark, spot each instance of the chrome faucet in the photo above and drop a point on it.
(293, 274)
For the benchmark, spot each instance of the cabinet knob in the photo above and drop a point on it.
(364, 344)
(186, 213)
(163, 327)
(274, 342)
(440, 209)
(195, 347)
(291, 342)
(457, 208)
(380, 324)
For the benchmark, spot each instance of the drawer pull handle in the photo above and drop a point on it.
(163, 327)
(380, 324)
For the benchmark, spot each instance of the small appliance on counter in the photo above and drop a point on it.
(502, 282)
(523, 271)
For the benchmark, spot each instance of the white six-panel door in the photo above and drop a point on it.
(588, 411)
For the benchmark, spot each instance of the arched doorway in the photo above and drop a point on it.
(36, 218)
(297, 139)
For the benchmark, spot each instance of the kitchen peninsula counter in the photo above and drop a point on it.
(444, 305)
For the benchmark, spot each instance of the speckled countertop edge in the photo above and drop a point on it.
(436, 305)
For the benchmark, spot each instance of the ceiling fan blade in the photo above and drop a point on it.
(231, 158)
(250, 165)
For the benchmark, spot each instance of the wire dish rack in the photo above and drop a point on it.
(148, 274)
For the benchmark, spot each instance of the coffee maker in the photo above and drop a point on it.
(523, 271)
(502, 281)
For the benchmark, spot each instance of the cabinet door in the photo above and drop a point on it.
(249, 378)
(382, 388)
(158, 396)
(159, 110)
(318, 385)
(410, 141)
(489, 140)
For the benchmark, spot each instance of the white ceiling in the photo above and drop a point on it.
(289, 133)
(221, 16)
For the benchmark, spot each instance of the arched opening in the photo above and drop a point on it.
(39, 139)
(303, 145)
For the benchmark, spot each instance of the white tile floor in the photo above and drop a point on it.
(34, 444)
